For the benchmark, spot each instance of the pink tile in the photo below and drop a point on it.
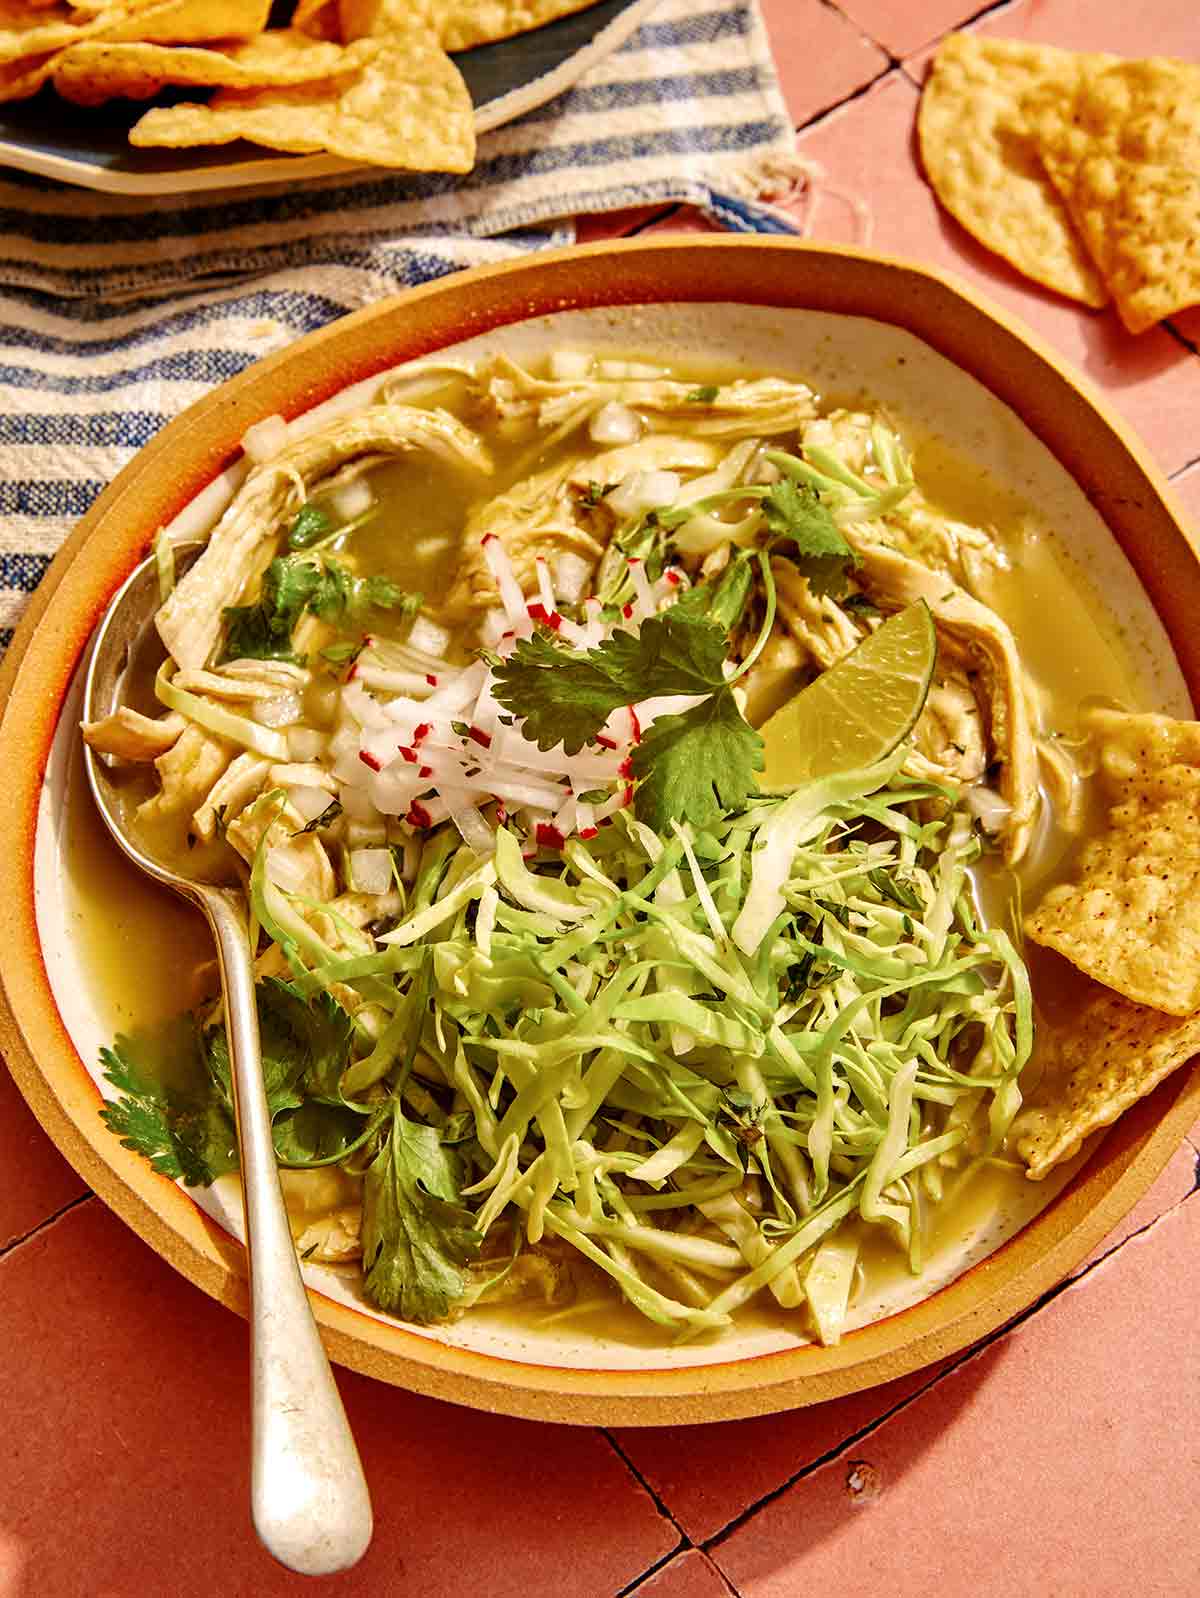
(1061, 1460)
(1174, 1185)
(689, 1575)
(1153, 27)
(820, 56)
(1187, 324)
(905, 25)
(35, 1180)
(1186, 490)
(867, 150)
(125, 1455)
(708, 1475)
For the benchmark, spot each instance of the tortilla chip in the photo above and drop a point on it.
(191, 22)
(319, 19)
(89, 74)
(462, 24)
(1129, 913)
(20, 80)
(1112, 1054)
(980, 155)
(407, 106)
(1123, 150)
(25, 33)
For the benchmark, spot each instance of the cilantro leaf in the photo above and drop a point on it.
(417, 1235)
(802, 529)
(721, 599)
(695, 766)
(305, 1048)
(179, 1126)
(703, 395)
(310, 526)
(340, 596)
(293, 584)
(263, 630)
(566, 696)
(317, 1133)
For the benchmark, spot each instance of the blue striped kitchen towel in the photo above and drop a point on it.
(116, 312)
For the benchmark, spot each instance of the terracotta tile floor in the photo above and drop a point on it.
(1059, 1459)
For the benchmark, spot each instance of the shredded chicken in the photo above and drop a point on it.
(950, 741)
(895, 581)
(818, 624)
(763, 406)
(128, 735)
(333, 1239)
(537, 516)
(243, 780)
(218, 686)
(301, 851)
(186, 773)
(189, 623)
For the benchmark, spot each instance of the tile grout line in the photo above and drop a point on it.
(42, 1226)
(630, 1588)
(976, 1349)
(819, 117)
(684, 1543)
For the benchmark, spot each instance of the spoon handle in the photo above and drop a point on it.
(308, 1495)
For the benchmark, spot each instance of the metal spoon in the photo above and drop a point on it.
(308, 1495)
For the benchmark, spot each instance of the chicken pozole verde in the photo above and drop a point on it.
(568, 973)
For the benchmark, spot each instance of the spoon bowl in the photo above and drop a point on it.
(309, 1499)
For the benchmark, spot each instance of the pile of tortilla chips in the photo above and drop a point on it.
(367, 80)
(1082, 170)
(1128, 917)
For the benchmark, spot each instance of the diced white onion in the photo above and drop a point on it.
(571, 574)
(427, 636)
(366, 834)
(615, 423)
(476, 833)
(350, 499)
(568, 366)
(286, 869)
(265, 439)
(371, 870)
(308, 803)
(306, 743)
(357, 801)
(281, 711)
(642, 491)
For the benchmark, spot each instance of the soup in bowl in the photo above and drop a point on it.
(659, 803)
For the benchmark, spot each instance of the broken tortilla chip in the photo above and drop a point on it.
(26, 33)
(21, 80)
(1113, 1054)
(1123, 150)
(407, 106)
(89, 74)
(981, 157)
(190, 22)
(1129, 912)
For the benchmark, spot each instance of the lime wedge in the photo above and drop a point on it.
(859, 710)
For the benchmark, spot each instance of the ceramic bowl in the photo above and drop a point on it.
(849, 323)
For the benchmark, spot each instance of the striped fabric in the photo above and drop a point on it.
(117, 312)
